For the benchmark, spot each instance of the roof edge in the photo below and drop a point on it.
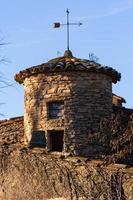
(64, 64)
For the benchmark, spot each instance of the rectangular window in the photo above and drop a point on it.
(55, 110)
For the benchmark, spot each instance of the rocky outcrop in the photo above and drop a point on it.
(31, 174)
(35, 174)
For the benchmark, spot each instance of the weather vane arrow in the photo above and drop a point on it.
(67, 24)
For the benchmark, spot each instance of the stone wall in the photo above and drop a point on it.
(87, 98)
(12, 131)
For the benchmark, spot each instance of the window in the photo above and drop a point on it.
(55, 110)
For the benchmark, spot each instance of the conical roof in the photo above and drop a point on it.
(68, 63)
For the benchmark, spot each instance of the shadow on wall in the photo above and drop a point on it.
(34, 112)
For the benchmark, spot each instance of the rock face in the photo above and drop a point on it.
(30, 174)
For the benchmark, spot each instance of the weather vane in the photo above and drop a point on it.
(58, 25)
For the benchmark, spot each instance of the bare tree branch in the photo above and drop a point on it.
(93, 57)
(3, 82)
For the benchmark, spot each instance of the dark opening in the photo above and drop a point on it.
(56, 138)
(38, 139)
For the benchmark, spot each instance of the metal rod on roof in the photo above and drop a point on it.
(67, 29)
(58, 25)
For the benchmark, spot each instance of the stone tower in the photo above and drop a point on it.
(64, 99)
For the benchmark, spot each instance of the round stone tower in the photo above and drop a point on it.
(64, 99)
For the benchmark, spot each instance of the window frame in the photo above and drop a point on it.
(55, 109)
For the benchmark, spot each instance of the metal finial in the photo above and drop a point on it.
(67, 11)
(67, 29)
(58, 24)
(68, 53)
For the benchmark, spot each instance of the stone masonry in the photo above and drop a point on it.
(12, 131)
(84, 87)
(81, 113)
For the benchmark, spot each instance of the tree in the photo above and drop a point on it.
(93, 57)
(3, 82)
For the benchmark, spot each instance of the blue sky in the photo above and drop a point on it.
(27, 28)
